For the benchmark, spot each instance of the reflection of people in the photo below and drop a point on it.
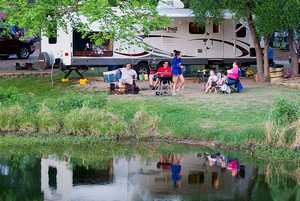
(164, 163)
(178, 79)
(176, 171)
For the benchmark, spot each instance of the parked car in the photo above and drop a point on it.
(10, 44)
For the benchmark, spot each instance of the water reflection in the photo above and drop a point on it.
(172, 177)
(169, 177)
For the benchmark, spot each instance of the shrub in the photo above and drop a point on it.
(280, 128)
(87, 121)
(144, 125)
(284, 112)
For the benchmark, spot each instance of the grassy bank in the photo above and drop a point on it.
(31, 105)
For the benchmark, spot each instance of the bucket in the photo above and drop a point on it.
(83, 81)
(146, 77)
(141, 77)
(276, 74)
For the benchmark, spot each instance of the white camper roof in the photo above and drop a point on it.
(184, 13)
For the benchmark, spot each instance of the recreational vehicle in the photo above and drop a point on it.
(210, 44)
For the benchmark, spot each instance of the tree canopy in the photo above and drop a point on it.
(263, 17)
(115, 18)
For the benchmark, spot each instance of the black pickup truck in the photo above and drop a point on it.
(9, 45)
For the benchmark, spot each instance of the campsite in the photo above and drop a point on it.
(178, 100)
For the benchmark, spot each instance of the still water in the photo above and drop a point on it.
(150, 173)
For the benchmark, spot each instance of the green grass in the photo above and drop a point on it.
(233, 119)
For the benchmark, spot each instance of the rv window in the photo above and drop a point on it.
(85, 46)
(216, 28)
(196, 29)
(53, 35)
(241, 33)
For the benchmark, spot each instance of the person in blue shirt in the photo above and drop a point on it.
(176, 171)
(270, 56)
(178, 79)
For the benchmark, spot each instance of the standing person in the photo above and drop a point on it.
(178, 79)
(270, 56)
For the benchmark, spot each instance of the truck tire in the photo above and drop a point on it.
(142, 68)
(44, 61)
(23, 53)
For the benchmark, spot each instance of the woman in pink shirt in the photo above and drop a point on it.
(234, 72)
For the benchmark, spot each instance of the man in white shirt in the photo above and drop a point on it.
(128, 75)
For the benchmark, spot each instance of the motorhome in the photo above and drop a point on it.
(220, 43)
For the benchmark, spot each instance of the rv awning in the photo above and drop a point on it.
(184, 12)
(175, 12)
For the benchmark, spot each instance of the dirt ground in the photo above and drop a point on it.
(192, 86)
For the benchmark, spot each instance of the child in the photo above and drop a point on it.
(212, 81)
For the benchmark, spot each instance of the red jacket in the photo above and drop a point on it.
(164, 72)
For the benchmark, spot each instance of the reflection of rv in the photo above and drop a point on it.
(138, 179)
(212, 43)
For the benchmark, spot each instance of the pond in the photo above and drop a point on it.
(143, 172)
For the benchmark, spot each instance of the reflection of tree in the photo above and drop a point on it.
(23, 181)
(276, 184)
(261, 190)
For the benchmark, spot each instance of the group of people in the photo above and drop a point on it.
(221, 82)
(174, 72)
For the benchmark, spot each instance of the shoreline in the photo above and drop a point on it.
(260, 151)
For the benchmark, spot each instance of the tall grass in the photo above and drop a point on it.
(280, 129)
(87, 121)
(80, 114)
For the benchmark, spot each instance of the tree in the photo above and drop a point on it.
(116, 18)
(290, 20)
(277, 15)
(262, 16)
(242, 10)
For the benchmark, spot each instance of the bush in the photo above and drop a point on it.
(284, 112)
(280, 130)
(87, 121)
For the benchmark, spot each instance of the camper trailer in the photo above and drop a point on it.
(210, 44)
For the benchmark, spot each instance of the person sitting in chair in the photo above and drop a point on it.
(233, 77)
(128, 78)
(165, 70)
(212, 81)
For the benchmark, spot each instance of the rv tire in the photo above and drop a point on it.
(44, 61)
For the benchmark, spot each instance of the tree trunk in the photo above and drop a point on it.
(266, 58)
(293, 54)
(259, 55)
